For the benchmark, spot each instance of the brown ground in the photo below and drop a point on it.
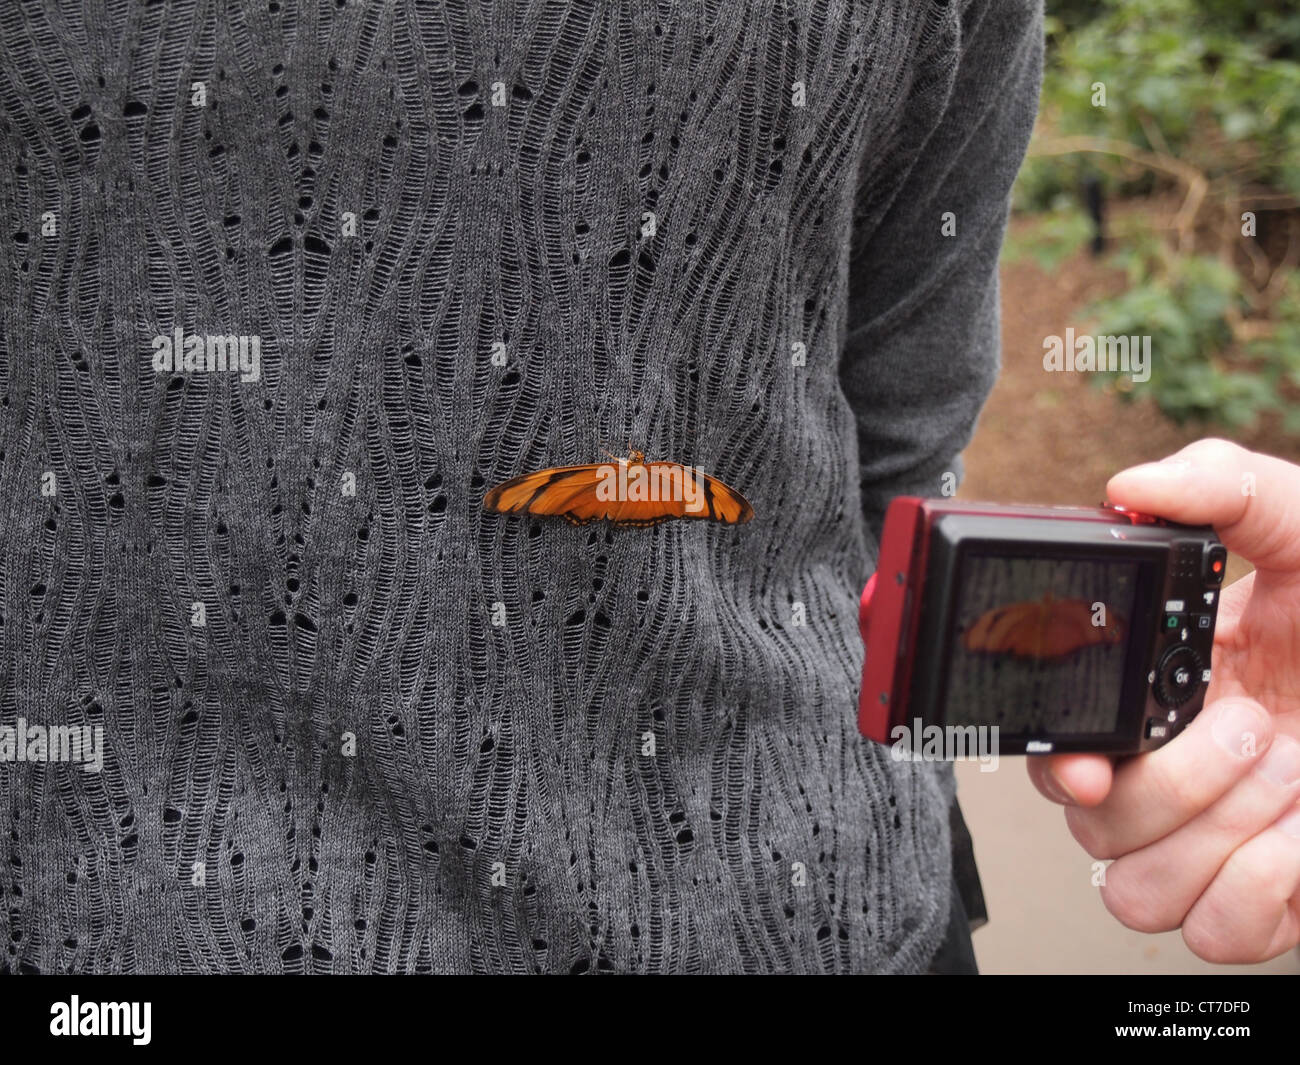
(1057, 438)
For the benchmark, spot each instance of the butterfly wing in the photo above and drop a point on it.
(1068, 627)
(699, 495)
(570, 492)
(1014, 629)
(724, 503)
(566, 491)
(1044, 629)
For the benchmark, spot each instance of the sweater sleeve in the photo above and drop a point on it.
(922, 343)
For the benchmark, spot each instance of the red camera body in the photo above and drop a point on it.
(1065, 628)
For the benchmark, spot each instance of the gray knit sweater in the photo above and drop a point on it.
(285, 286)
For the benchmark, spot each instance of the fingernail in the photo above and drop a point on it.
(1281, 764)
(1289, 822)
(1058, 791)
(1237, 728)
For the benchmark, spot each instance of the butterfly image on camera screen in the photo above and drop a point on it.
(1045, 629)
(626, 491)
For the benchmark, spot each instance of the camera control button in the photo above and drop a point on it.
(1178, 676)
(1216, 561)
(1174, 622)
(1156, 729)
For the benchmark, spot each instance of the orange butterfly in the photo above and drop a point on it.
(627, 491)
(1045, 629)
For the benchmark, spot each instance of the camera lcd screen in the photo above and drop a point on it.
(1040, 644)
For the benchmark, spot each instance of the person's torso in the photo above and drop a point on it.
(352, 720)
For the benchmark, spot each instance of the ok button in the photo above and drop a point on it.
(1178, 676)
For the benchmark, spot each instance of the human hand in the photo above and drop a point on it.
(1205, 831)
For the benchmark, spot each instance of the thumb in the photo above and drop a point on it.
(1252, 500)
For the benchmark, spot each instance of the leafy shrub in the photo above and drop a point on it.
(1202, 100)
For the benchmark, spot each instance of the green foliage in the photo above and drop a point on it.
(1054, 238)
(1279, 350)
(1203, 87)
(1216, 85)
(1185, 314)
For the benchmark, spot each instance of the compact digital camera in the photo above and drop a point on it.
(1068, 628)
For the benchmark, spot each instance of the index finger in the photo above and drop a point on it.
(1251, 499)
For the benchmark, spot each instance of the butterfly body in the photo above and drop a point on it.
(628, 491)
